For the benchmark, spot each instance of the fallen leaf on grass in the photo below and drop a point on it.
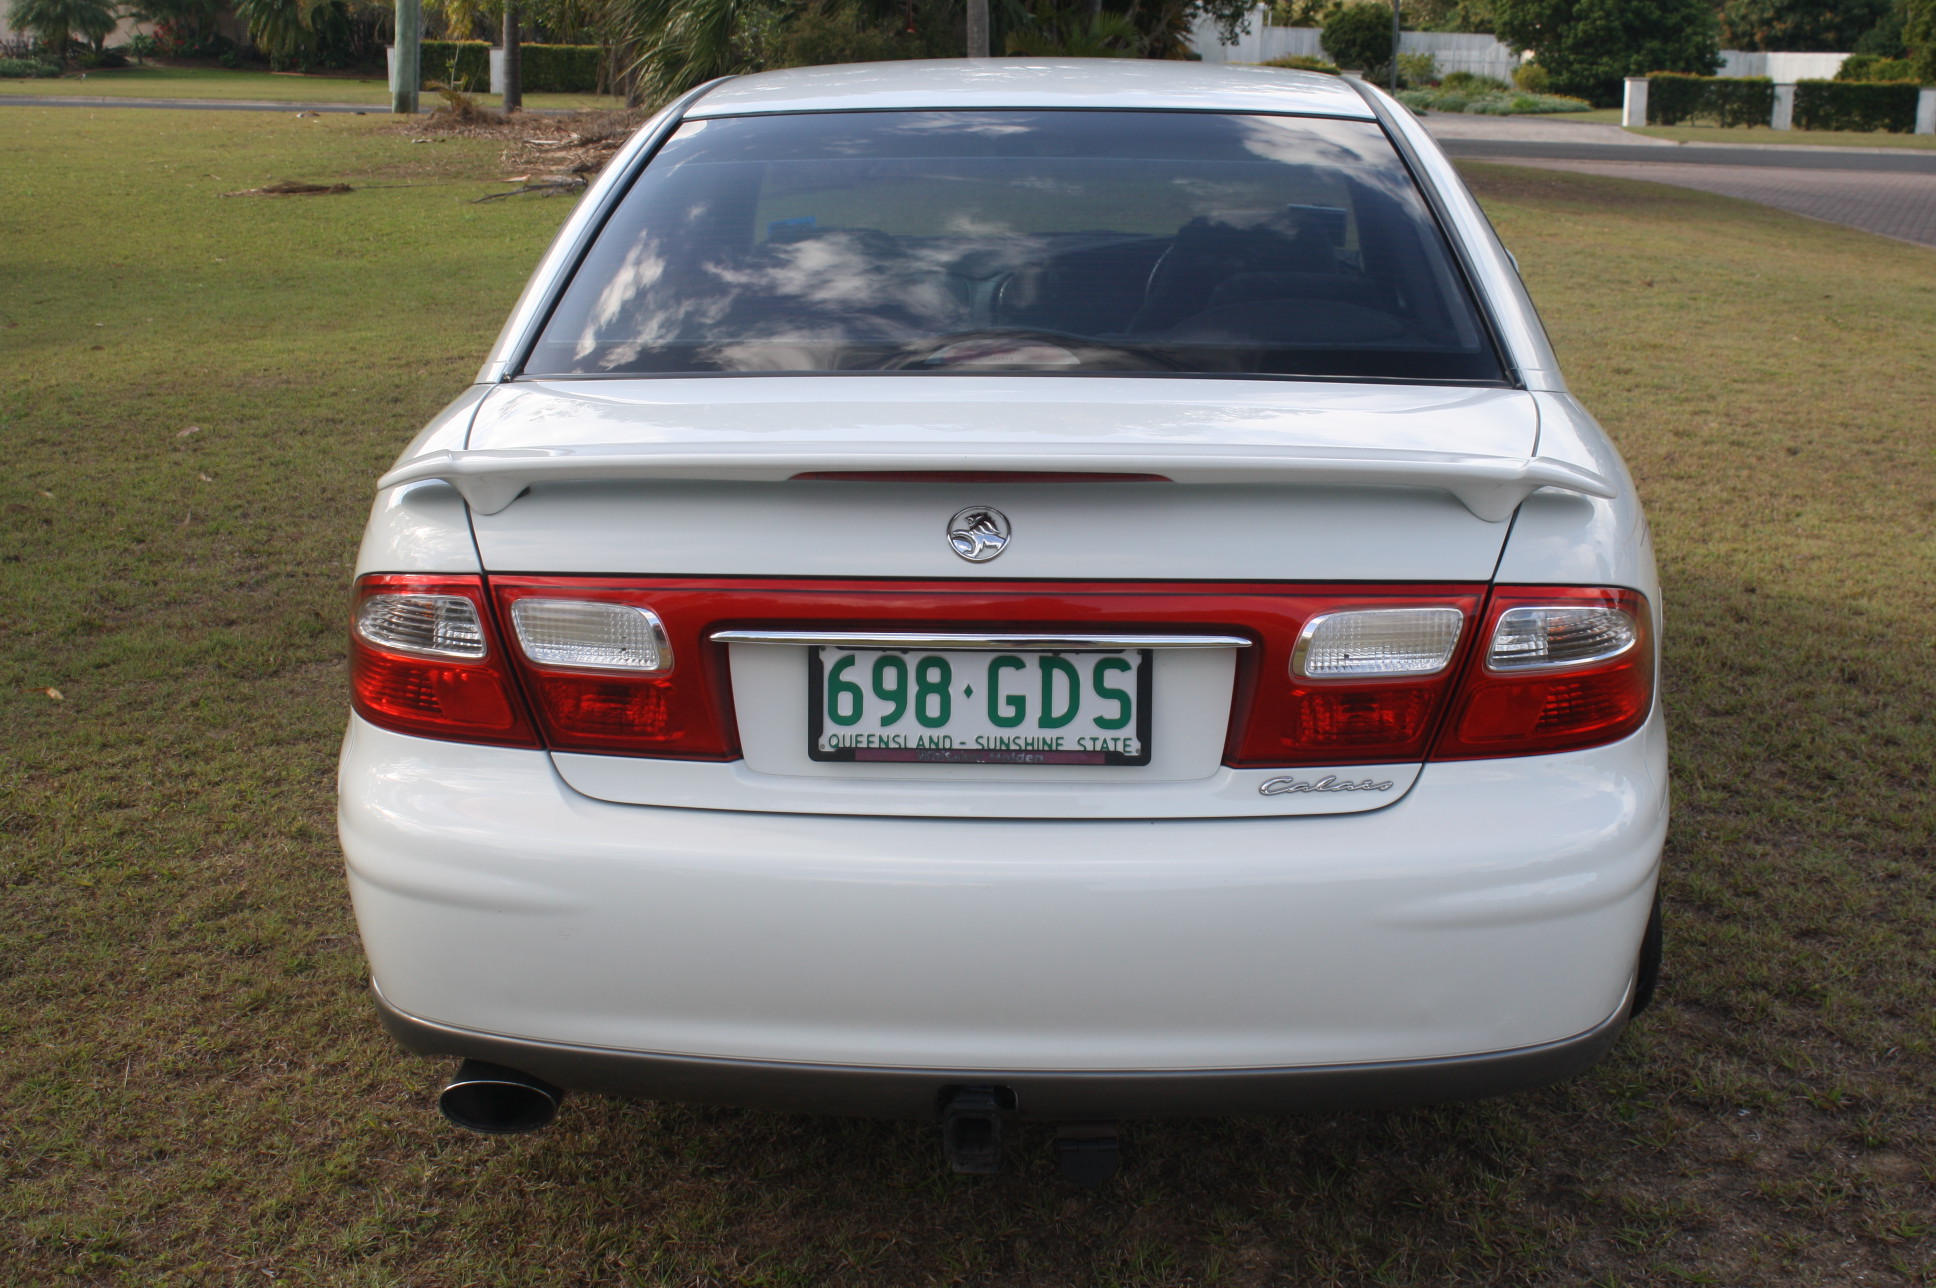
(290, 188)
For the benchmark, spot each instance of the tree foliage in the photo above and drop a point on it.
(1359, 36)
(56, 23)
(1077, 33)
(1919, 36)
(1800, 24)
(1588, 46)
(1448, 15)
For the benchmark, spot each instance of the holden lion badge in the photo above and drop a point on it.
(978, 533)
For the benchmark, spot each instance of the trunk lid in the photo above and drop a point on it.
(669, 480)
(1303, 525)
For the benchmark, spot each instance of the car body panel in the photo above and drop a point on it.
(833, 529)
(1081, 83)
(1128, 927)
(1497, 906)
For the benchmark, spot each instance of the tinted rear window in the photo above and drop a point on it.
(1158, 242)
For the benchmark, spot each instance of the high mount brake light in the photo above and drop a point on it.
(1565, 667)
(424, 660)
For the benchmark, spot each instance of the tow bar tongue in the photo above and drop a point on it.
(1086, 1153)
(971, 1129)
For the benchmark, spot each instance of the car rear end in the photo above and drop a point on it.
(951, 582)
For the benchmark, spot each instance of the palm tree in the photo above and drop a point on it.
(1072, 33)
(280, 27)
(55, 23)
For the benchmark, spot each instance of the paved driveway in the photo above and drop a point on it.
(1891, 191)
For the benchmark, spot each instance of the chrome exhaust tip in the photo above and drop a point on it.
(491, 1098)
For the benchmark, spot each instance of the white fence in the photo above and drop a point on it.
(1783, 69)
(1458, 52)
(1454, 51)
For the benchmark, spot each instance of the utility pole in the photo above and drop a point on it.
(409, 56)
(978, 28)
(513, 59)
(1394, 62)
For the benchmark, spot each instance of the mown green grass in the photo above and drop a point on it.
(241, 84)
(193, 1089)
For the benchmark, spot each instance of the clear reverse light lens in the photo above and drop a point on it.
(1379, 641)
(605, 637)
(434, 625)
(1559, 636)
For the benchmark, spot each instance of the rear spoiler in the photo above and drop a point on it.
(1490, 486)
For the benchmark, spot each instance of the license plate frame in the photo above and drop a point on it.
(1074, 747)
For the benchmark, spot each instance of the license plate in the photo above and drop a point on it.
(939, 706)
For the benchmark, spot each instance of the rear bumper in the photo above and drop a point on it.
(1493, 914)
(874, 1092)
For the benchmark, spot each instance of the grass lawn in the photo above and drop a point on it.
(255, 86)
(193, 1089)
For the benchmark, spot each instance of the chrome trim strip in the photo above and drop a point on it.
(930, 639)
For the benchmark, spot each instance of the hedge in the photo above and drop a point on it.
(1726, 100)
(545, 69)
(1868, 67)
(1856, 105)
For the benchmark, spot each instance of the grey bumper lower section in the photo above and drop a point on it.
(918, 1093)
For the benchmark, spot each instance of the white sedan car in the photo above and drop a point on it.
(982, 590)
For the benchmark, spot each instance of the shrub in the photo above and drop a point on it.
(1359, 36)
(1724, 100)
(1490, 104)
(1588, 46)
(559, 69)
(1867, 67)
(26, 68)
(843, 33)
(465, 66)
(1856, 105)
(1473, 83)
(1532, 78)
(1415, 71)
(1302, 63)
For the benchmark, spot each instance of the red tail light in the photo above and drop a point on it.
(1336, 675)
(668, 698)
(1593, 682)
(424, 659)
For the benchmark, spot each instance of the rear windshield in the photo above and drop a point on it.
(1105, 241)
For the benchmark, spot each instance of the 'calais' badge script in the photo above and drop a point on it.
(978, 533)
(1328, 783)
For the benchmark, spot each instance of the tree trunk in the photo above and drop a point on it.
(513, 60)
(403, 95)
(978, 28)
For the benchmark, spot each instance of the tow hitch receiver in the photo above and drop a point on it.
(971, 1129)
(1087, 1153)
